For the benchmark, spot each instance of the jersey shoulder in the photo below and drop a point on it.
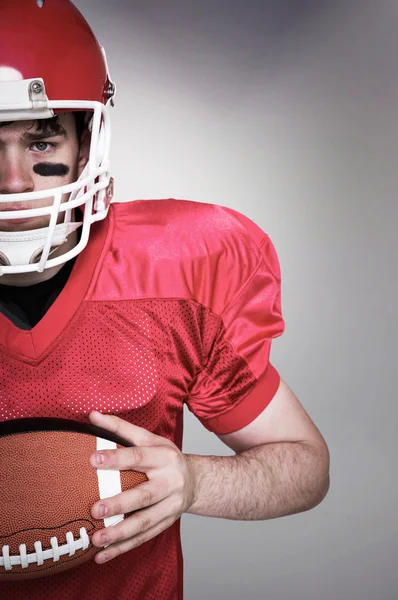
(180, 248)
(175, 219)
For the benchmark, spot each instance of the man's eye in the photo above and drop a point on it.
(41, 146)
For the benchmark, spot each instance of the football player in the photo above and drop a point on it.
(119, 314)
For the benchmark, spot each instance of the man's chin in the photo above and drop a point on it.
(22, 225)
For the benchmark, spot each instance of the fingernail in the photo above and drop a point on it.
(103, 539)
(103, 510)
(99, 458)
(104, 557)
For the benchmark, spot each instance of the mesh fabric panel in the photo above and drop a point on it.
(136, 359)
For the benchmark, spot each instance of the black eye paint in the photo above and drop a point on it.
(46, 169)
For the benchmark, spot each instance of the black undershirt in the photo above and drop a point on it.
(25, 306)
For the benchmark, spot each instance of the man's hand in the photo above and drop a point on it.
(157, 503)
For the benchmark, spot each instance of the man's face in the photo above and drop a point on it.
(31, 161)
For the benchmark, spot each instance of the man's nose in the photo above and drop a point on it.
(15, 176)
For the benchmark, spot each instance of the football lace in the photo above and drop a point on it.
(38, 557)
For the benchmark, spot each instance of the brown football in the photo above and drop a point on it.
(47, 490)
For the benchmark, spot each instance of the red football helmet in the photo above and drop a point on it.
(51, 62)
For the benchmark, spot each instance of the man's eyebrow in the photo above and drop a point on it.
(39, 135)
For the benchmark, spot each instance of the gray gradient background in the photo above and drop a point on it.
(286, 111)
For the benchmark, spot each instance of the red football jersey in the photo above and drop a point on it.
(171, 303)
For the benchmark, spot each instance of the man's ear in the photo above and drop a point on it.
(84, 150)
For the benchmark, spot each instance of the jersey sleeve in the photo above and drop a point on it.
(238, 381)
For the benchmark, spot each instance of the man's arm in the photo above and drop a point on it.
(281, 466)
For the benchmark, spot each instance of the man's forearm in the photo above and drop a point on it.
(265, 482)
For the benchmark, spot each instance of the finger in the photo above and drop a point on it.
(138, 524)
(120, 548)
(139, 458)
(139, 497)
(137, 436)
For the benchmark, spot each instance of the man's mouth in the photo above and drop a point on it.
(14, 209)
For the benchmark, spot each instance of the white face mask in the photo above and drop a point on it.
(32, 251)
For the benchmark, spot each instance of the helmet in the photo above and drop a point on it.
(51, 62)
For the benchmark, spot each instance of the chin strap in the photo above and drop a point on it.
(25, 247)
